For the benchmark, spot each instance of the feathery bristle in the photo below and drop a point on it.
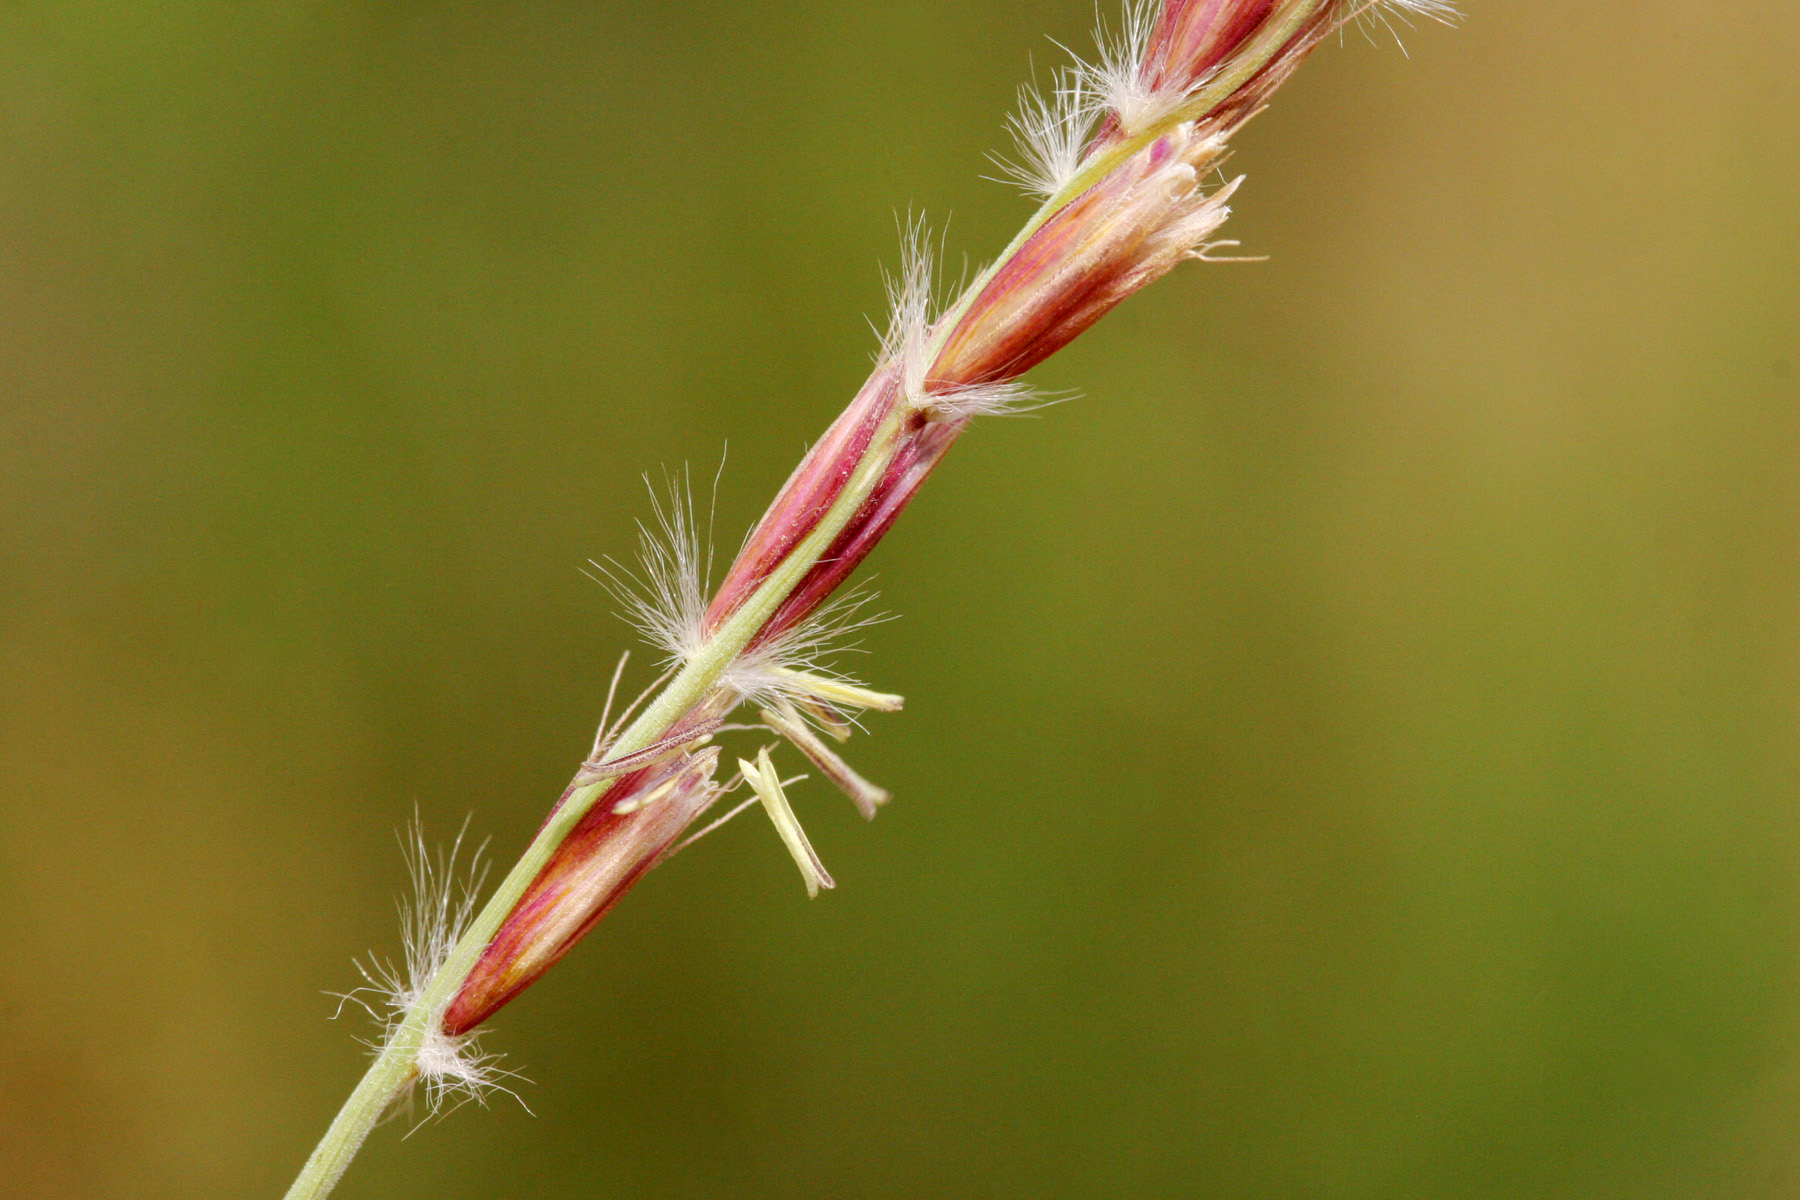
(912, 313)
(1007, 398)
(665, 598)
(1436, 10)
(1368, 13)
(912, 298)
(1116, 76)
(433, 917)
(1050, 130)
(767, 674)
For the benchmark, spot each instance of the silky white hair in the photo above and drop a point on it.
(434, 914)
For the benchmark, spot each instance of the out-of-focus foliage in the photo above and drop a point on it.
(1353, 750)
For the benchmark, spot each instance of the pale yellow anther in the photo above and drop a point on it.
(825, 717)
(659, 792)
(866, 796)
(762, 778)
(695, 770)
(836, 691)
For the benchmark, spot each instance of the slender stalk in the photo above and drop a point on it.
(386, 1080)
(1125, 214)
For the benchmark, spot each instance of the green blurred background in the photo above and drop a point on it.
(1353, 750)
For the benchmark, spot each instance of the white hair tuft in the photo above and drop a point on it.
(433, 917)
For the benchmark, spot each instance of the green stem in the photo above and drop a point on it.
(394, 1069)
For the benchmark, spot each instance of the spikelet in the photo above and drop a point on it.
(913, 312)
